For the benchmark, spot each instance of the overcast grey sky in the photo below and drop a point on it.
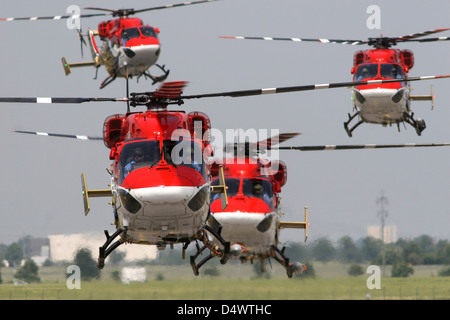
(41, 192)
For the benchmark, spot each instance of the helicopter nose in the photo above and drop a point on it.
(164, 194)
(137, 59)
(378, 97)
(143, 53)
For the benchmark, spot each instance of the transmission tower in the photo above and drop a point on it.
(382, 214)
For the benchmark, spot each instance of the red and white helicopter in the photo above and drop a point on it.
(385, 104)
(251, 221)
(159, 177)
(164, 199)
(129, 47)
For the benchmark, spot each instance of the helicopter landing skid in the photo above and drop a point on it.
(157, 79)
(350, 118)
(223, 253)
(107, 81)
(104, 251)
(418, 124)
(283, 260)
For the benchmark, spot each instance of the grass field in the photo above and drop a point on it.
(235, 282)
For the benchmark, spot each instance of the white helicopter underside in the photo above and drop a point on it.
(379, 107)
(241, 227)
(164, 214)
(144, 57)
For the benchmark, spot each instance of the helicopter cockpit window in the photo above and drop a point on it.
(232, 187)
(366, 71)
(148, 32)
(186, 153)
(136, 155)
(259, 188)
(128, 34)
(391, 71)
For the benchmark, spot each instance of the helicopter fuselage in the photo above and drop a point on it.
(130, 48)
(159, 182)
(250, 220)
(384, 103)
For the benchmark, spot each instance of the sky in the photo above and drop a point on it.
(41, 186)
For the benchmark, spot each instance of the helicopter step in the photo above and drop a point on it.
(156, 79)
(350, 118)
(104, 251)
(214, 250)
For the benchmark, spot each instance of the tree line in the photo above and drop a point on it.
(401, 255)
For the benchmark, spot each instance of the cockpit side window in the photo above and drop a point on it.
(366, 71)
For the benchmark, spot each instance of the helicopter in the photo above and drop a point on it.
(159, 180)
(388, 104)
(251, 222)
(164, 199)
(129, 48)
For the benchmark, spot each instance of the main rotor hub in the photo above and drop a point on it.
(382, 42)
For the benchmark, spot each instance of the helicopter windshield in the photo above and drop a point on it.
(232, 187)
(385, 70)
(253, 188)
(148, 32)
(391, 71)
(129, 33)
(140, 154)
(258, 188)
(187, 153)
(367, 71)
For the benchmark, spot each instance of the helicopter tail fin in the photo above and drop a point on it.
(92, 44)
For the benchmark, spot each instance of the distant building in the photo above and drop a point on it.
(390, 233)
(63, 247)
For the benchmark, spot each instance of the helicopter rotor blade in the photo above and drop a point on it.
(254, 92)
(173, 5)
(50, 100)
(128, 12)
(338, 41)
(59, 135)
(362, 146)
(419, 34)
(56, 17)
(280, 138)
(427, 39)
(411, 37)
(170, 92)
